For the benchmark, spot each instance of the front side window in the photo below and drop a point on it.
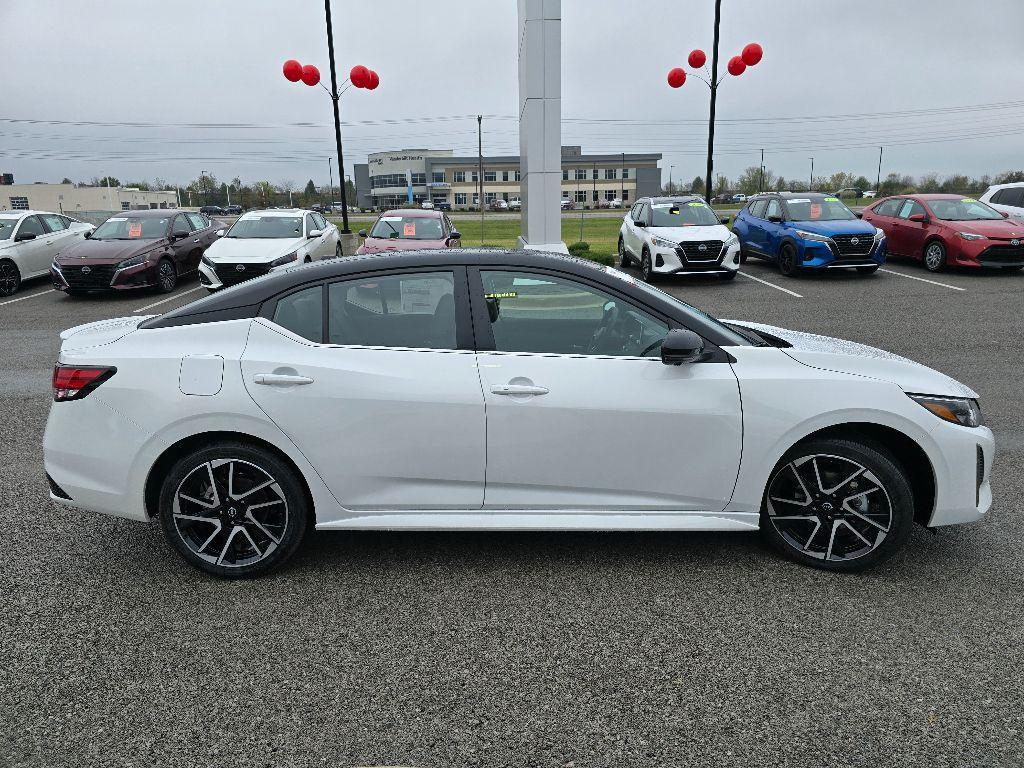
(7, 225)
(181, 224)
(415, 310)
(533, 312)
(909, 208)
(320, 221)
(691, 214)
(302, 313)
(255, 226)
(818, 209)
(31, 226)
(965, 209)
(127, 228)
(756, 208)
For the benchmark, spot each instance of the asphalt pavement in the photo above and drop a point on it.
(534, 649)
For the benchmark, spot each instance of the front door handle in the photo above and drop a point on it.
(280, 379)
(518, 389)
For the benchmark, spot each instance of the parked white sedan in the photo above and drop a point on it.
(262, 241)
(462, 389)
(29, 241)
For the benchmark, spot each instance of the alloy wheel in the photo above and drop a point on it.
(645, 268)
(829, 507)
(623, 257)
(10, 279)
(934, 257)
(167, 276)
(230, 512)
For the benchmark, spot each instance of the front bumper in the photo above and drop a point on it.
(684, 259)
(963, 468)
(103, 277)
(815, 254)
(224, 275)
(987, 253)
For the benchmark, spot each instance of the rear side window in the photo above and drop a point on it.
(54, 222)
(888, 208)
(302, 313)
(773, 209)
(1013, 196)
(198, 220)
(415, 310)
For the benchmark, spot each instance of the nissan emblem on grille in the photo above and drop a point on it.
(240, 268)
(854, 240)
(1015, 243)
(702, 247)
(86, 270)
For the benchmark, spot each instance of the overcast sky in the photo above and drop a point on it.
(442, 62)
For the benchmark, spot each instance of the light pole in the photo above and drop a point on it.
(670, 168)
(622, 181)
(878, 180)
(330, 185)
(206, 185)
(751, 55)
(810, 186)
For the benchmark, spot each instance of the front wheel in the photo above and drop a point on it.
(337, 251)
(233, 510)
(623, 255)
(867, 270)
(166, 276)
(10, 278)
(935, 256)
(838, 505)
(788, 261)
(646, 269)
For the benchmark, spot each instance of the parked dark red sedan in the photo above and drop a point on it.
(135, 249)
(408, 230)
(948, 230)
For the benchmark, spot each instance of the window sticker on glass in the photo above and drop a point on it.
(831, 199)
(815, 210)
(799, 200)
(968, 200)
(390, 218)
(409, 229)
(420, 296)
(503, 295)
(117, 218)
(135, 229)
(696, 205)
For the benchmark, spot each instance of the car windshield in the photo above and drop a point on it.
(7, 225)
(408, 228)
(683, 214)
(965, 209)
(818, 209)
(128, 228)
(266, 227)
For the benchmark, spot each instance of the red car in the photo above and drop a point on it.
(409, 230)
(948, 230)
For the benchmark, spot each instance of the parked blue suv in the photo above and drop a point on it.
(804, 231)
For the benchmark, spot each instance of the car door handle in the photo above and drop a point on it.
(518, 389)
(280, 379)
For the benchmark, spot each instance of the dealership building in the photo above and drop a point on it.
(71, 200)
(388, 179)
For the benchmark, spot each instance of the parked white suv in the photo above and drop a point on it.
(673, 235)
(262, 241)
(1008, 198)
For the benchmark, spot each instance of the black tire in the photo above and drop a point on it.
(743, 256)
(624, 260)
(258, 535)
(867, 270)
(934, 256)
(307, 260)
(338, 252)
(10, 277)
(727, 276)
(810, 520)
(646, 268)
(787, 260)
(166, 276)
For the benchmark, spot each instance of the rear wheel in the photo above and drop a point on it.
(623, 255)
(867, 270)
(166, 276)
(10, 278)
(935, 256)
(787, 260)
(838, 505)
(233, 510)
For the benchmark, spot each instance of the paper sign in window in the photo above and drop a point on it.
(409, 229)
(135, 229)
(815, 210)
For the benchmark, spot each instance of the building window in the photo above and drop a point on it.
(517, 176)
(437, 177)
(504, 175)
(581, 195)
(419, 179)
(581, 174)
(565, 174)
(460, 198)
(625, 173)
(392, 180)
(490, 175)
(490, 197)
(475, 177)
(625, 196)
(476, 199)
(19, 203)
(460, 177)
(126, 206)
(595, 196)
(610, 174)
(609, 194)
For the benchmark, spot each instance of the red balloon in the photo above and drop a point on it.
(292, 70)
(676, 77)
(359, 75)
(697, 58)
(373, 81)
(752, 54)
(310, 75)
(736, 66)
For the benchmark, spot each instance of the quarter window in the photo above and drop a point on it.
(32, 226)
(197, 220)
(534, 312)
(408, 310)
(302, 313)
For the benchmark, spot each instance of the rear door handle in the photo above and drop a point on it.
(518, 389)
(280, 379)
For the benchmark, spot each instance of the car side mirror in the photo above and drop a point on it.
(179, 235)
(362, 233)
(638, 223)
(1005, 214)
(859, 214)
(25, 236)
(775, 219)
(918, 217)
(681, 345)
(724, 219)
(453, 235)
(220, 233)
(314, 233)
(87, 235)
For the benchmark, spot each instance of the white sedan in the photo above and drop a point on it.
(496, 390)
(677, 235)
(263, 241)
(29, 241)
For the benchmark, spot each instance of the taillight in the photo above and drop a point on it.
(73, 382)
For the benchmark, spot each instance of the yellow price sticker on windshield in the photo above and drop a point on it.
(505, 295)
(968, 200)
(696, 205)
(831, 199)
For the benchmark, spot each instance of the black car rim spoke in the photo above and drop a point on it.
(829, 507)
(8, 279)
(230, 512)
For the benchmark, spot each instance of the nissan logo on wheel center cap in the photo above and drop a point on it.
(240, 268)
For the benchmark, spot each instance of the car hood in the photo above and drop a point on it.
(105, 251)
(241, 250)
(99, 333)
(843, 356)
(1001, 229)
(690, 234)
(855, 227)
(380, 245)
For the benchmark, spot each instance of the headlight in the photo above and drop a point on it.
(287, 258)
(733, 240)
(663, 243)
(208, 263)
(813, 236)
(970, 236)
(134, 261)
(958, 410)
(879, 234)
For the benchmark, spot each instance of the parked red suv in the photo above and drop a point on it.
(948, 230)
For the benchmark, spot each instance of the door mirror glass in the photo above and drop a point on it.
(220, 233)
(681, 345)
(918, 217)
(362, 233)
(639, 223)
(25, 236)
(859, 214)
(775, 218)
(724, 219)
(453, 235)
(1005, 214)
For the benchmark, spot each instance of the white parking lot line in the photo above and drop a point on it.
(923, 280)
(772, 285)
(164, 301)
(25, 298)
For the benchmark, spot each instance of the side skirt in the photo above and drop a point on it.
(541, 520)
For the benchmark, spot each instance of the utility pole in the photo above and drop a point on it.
(330, 186)
(810, 186)
(335, 96)
(670, 168)
(578, 201)
(206, 185)
(878, 181)
(227, 189)
(714, 96)
(760, 183)
(480, 170)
